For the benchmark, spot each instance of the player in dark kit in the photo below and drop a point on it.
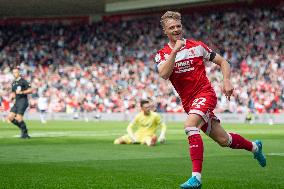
(20, 89)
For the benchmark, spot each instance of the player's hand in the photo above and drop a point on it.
(162, 140)
(228, 88)
(19, 92)
(179, 44)
(134, 140)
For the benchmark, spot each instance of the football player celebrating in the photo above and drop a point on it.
(182, 62)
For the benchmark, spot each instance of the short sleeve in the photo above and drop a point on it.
(160, 58)
(26, 84)
(206, 51)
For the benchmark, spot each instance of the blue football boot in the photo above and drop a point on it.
(192, 183)
(259, 155)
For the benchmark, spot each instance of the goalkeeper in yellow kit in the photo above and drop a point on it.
(146, 123)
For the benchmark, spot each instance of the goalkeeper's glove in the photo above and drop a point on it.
(161, 139)
(133, 140)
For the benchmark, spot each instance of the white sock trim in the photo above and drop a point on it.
(197, 175)
(230, 140)
(191, 131)
(254, 147)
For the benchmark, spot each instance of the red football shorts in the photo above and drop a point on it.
(203, 105)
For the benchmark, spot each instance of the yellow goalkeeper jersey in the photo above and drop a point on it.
(146, 125)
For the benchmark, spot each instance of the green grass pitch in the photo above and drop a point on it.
(76, 154)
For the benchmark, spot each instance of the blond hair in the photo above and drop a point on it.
(170, 15)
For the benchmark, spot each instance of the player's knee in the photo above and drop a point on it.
(19, 118)
(151, 141)
(10, 117)
(193, 120)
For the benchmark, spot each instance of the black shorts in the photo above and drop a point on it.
(20, 107)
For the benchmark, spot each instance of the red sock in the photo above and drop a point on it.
(196, 152)
(239, 142)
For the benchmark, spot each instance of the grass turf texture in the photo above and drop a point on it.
(82, 155)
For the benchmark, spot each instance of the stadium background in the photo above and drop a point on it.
(75, 61)
(95, 58)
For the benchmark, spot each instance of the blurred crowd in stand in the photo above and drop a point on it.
(108, 66)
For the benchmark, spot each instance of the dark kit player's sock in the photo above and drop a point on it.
(23, 126)
(15, 122)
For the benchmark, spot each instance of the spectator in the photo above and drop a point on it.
(97, 62)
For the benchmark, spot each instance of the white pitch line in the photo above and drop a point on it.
(275, 154)
(262, 132)
(78, 134)
(69, 134)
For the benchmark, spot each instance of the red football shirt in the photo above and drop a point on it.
(189, 75)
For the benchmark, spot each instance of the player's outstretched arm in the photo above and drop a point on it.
(163, 127)
(226, 71)
(165, 68)
(130, 132)
(162, 137)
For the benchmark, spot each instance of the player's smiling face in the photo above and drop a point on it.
(173, 29)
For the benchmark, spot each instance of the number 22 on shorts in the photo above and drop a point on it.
(198, 102)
